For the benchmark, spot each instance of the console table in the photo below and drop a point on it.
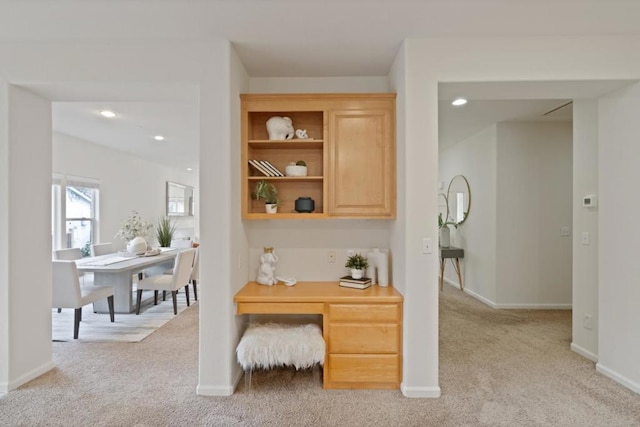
(452, 253)
(362, 329)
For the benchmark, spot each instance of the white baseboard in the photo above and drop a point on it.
(631, 385)
(207, 390)
(515, 306)
(5, 387)
(420, 392)
(584, 352)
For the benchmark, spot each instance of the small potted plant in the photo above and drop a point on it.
(358, 264)
(269, 193)
(164, 232)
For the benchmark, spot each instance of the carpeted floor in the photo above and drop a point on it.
(498, 368)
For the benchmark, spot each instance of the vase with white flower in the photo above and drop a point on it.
(134, 231)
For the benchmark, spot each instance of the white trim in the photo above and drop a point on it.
(631, 385)
(420, 392)
(584, 352)
(516, 306)
(206, 390)
(35, 373)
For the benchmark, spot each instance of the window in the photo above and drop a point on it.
(74, 212)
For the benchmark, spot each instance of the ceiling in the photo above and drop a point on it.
(302, 38)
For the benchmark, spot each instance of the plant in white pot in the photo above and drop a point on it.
(358, 264)
(134, 230)
(269, 193)
(445, 232)
(164, 231)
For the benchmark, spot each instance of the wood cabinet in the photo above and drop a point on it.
(364, 346)
(350, 154)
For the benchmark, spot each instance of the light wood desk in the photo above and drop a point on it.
(361, 328)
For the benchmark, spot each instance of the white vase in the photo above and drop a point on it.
(378, 269)
(356, 274)
(137, 246)
(445, 237)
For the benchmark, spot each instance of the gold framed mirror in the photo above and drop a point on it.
(459, 199)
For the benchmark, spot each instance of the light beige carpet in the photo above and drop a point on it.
(498, 368)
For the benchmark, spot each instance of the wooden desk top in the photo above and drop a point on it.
(315, 292)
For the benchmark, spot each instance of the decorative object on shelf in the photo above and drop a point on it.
(280, 128)
(301, 134)
(288, 281)
(137, 246)
(358, 264)
(351, 282)
(267, 270)
(296, 169)
(164, 231)
(305, 205)
(269, 193)
(378, 269)
(134, 226)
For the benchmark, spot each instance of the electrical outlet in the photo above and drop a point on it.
(587, 321)
(564, 231)
(331, 256)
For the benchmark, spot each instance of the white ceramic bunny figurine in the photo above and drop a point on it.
(267, 270)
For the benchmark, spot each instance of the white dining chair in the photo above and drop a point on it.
(67, 292)
(98, 249)
(72, 254)
(195, 276)
(170, 282)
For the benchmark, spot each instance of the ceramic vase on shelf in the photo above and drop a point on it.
(445, 237)
(271, 208)
(137, 246)
(378, 269)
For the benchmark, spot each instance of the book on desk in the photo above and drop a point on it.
(350, 282)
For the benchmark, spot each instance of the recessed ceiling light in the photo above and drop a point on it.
(459, 101)
(189, 169)
(107, 113)
(159, 138)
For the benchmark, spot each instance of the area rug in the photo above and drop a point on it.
(96, 327)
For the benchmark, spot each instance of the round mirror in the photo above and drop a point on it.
(459, 199)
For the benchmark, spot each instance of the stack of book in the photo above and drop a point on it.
(266, 168)
(350, 282)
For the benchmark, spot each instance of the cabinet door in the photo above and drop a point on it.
(361, 163)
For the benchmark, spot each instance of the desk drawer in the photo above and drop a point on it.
(365, 312)
(279, 308)
(372, 369)
(364, 338)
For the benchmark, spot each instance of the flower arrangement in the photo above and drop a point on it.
(134, 226)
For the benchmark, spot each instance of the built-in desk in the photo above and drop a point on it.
(362, 328)
(452, 253)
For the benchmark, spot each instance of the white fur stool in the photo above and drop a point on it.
(271, 345)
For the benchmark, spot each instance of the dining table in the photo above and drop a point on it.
(117, 270)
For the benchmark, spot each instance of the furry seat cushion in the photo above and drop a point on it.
(274, 344)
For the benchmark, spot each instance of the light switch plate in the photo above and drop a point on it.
(427, 245)
(586, 238)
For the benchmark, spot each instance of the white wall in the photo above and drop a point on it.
(318, 84)
(585, 257)
(619, 232)
(534, 201)
(126, 183)
(475, 158)
(24, 289)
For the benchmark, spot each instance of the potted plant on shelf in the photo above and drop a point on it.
(358, 264)
(269, 193)
(164, 232)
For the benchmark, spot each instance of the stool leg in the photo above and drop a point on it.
(247, 379)
(316, 372)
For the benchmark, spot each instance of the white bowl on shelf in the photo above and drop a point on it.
(295, 170)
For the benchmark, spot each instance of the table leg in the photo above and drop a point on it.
(122, 291)
(457, 267)
(442, 264)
